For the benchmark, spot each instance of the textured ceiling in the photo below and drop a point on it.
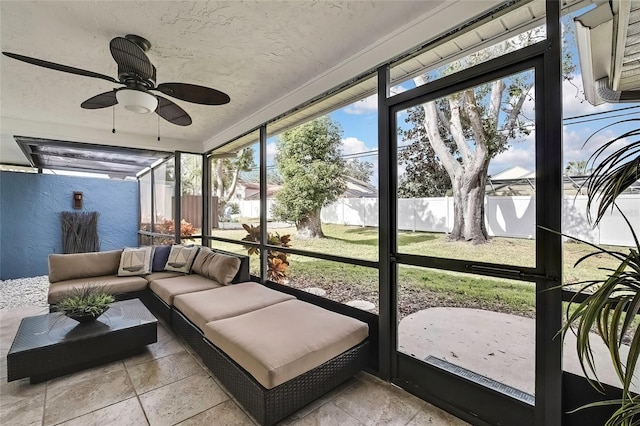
(257, 52)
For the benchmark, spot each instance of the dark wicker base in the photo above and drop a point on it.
(157, 306)
(271, 405)
(189, 332)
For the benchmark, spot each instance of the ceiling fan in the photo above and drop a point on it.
(138, 75)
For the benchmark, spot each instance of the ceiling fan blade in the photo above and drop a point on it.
(194, 93)
(59, 67)
(172, 112)
(103, 100)
(131, 58)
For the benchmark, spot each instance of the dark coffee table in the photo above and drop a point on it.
(52, 345)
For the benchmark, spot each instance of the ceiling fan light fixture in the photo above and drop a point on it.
(137, 101)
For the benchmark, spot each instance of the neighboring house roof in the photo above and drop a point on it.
(254, 190)
(516, 172)
(358, 189)
(609, 51)
(355, 189)
(520, 181)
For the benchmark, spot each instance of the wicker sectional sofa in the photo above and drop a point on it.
(273, 352)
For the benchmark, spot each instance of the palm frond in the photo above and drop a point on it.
(616, 172)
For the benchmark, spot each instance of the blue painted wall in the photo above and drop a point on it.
(30, 206)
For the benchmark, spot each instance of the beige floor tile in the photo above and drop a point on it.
(181, 400)
(159, 372)
(377, 404)
(314, 405)
(81, 397)
(226, 413)
(73, 379)
(167, 344)
(21, 403)
(125, 413)
(432, 415)
(328, 415)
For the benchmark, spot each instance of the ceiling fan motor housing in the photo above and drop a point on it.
(129, 77)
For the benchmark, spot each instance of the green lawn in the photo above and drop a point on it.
(420, 287)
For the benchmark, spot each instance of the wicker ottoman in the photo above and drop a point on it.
(279, 358)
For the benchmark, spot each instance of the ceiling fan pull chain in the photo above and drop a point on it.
(113, 128)
(158, 127)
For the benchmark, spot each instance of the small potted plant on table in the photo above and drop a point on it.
(85, 304)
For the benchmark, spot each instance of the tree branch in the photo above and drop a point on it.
(455, 128)
(479, 134)
(438, 145)
(515, 111)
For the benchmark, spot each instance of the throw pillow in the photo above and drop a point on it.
(135, 261)
(201, 261)
(181, 258)
(216, 266)
(160, 257)
(222, 268)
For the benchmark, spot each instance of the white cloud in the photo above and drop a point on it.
(353, 145)
(573, 101)
(272, 150)
(574, 148)
(523, 156)
(367, 105)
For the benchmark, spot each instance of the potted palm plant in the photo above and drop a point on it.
(610, 305)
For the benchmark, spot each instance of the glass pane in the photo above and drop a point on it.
(466, 167)
(190, 197)
(164, 193)
(587, 128)
(235, 180)
(480, 328)
(324, 182)
(353, 285)
(144, 183)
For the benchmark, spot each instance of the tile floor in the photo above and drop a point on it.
(168, 385)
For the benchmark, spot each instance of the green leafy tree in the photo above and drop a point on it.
(225, 172)
(309, 161)
(424, 175)
(191, 174)
(361, 170)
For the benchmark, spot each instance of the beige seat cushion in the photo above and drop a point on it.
(111, 283)
(168, 288)
(64, 267)
(162, 275)
(227, 302)
(282, 341)
(216, 266)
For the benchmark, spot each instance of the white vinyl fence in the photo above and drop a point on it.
(504, 216)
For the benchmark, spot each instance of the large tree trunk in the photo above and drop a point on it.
(468, 205)
(310, 226)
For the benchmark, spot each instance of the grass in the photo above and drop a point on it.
(421, 288)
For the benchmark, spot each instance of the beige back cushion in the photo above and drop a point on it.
(64, 267)
(216, 266)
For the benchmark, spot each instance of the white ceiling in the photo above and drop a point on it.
(269, 56)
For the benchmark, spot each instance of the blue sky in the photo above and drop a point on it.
(359, 124)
